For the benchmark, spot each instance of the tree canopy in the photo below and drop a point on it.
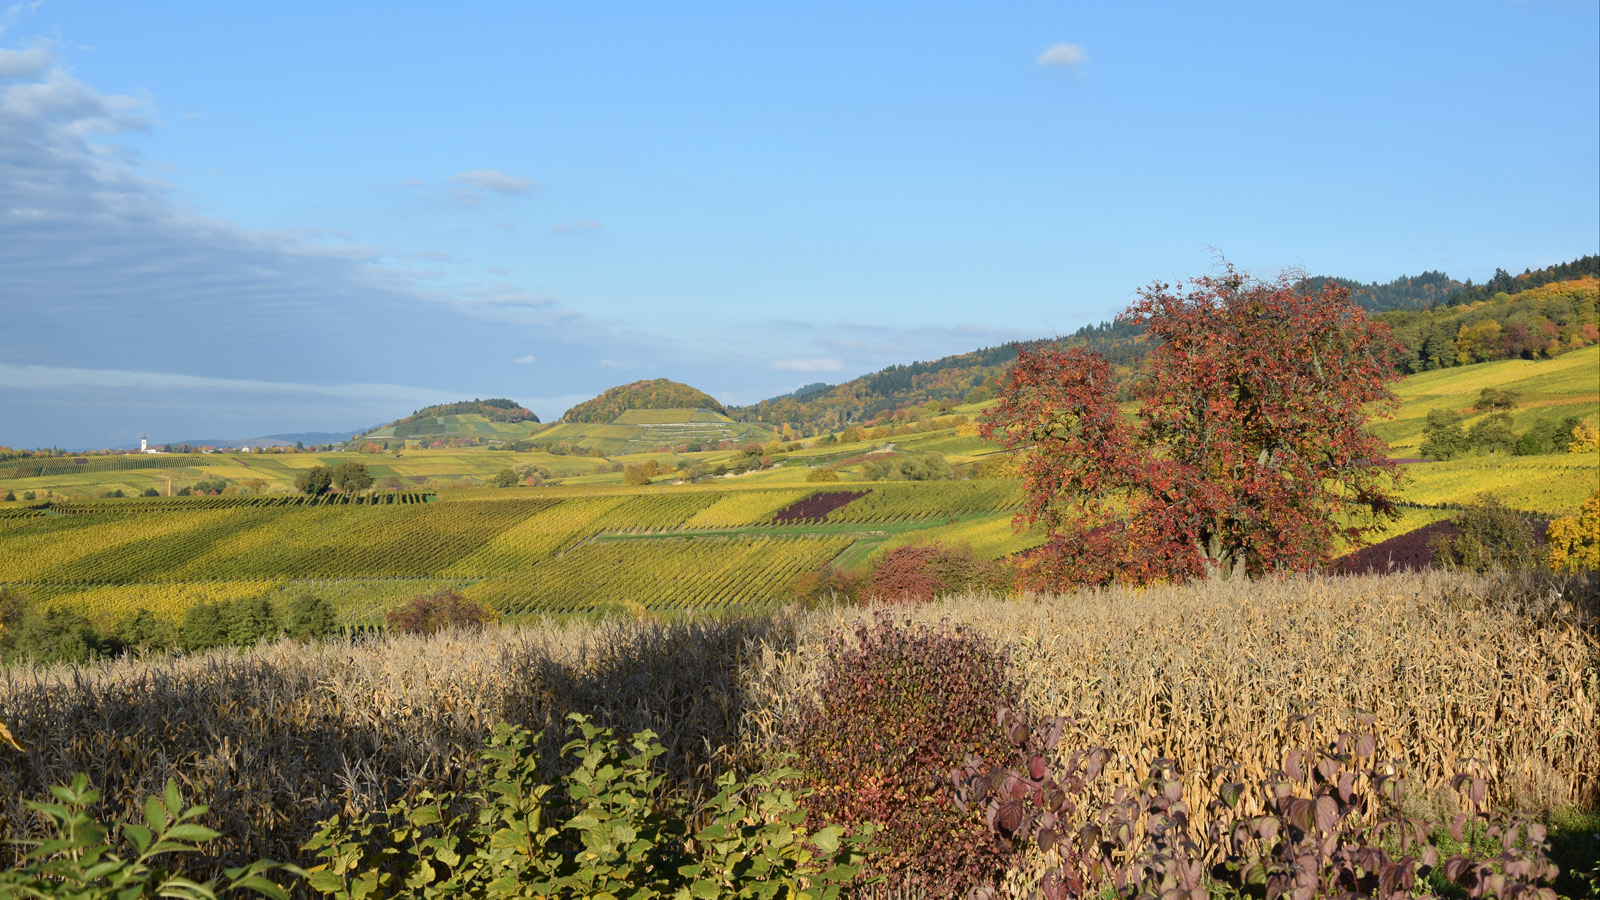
(655, 393)
(1246, 453)
(314, 481)
(352, 476)
(495, 409)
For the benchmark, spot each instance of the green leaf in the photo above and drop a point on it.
(139, 834)
(155, 814)
(191, 832)
(827, 838)
(325, 881)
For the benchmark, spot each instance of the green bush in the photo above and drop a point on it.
(145, 632)
(87, 860)
(250, 621)
(49, 636)
(1489, 536)
(203, 627)
(602, 831)
(309, 617)
(315, 481)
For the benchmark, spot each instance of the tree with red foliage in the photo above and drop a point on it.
(1246, 451)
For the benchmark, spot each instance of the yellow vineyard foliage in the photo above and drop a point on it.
(1585, 439)
(1574, 541)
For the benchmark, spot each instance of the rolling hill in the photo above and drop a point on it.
(647, 430)
(469, 421)
(653, 394)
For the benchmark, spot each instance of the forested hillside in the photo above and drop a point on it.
(496, 409)
(656, 393)
(962, 378)
(1440, 323)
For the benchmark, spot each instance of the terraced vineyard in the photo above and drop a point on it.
(524, 550)
(713, 572)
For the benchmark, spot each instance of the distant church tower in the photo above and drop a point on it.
(144, 445)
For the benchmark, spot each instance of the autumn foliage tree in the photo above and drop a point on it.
(1246, 453)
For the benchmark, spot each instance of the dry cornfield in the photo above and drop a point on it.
(1459, 671)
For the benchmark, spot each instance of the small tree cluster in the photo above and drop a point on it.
(1445, 437)
(923, 571)
(55, 634)
(349, 476)
(640, 472)
(236, 623)
(909, 467)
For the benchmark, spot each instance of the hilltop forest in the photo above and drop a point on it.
(496, 409)
(655, 393)
(1440, 323)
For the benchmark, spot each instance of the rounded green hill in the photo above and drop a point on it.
(495, 419)
(656, 393)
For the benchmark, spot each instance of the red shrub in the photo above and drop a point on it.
(441, 609)
(898, 710)
(924, 571)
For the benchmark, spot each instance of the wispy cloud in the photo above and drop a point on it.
(577, 226)
(1066, 56)
(62, 377)
(495, 180)
(816, 364)
(528, 360)
(10, 15)
(97, 254)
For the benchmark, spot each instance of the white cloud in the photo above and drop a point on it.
(528, 360)
(97, 254)
(1064, 56)
(816, 364)
(26, 63)
(577, 226)
(612, 364)
(495, 180)
(40, 378)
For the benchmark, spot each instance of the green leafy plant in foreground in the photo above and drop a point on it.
(87, 860)
(603, 832)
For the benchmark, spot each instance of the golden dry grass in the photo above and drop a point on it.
(275, 739)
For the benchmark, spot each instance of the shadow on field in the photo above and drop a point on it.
(276, 739)
(683, 681)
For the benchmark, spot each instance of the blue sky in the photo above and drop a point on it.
(226, 220)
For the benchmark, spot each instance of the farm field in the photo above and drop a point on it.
(1548, 390)
(523, 550)
(1206, 674)
(555, 548)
